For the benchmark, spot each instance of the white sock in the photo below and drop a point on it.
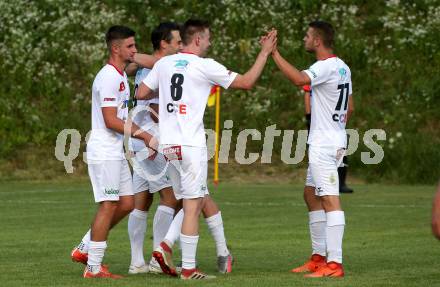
(318, 226)
(189, 250)
(335, 233)
(137, 227)
(83, 246)
(174, 231)
(162, 221)
(215, 226)
(96, 254)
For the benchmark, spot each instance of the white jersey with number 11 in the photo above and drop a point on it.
(331, 89)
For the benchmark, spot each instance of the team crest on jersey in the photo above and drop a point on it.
(342, 73)
(181, 64)
(121, 87)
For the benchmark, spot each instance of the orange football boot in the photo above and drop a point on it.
(103, 273)
(331, 269)
(315, 262)
(78, 256)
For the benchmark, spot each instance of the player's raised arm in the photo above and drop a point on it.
(248, 80)
(144, 60)
(296, 76)
(131, 69)
(140, 61)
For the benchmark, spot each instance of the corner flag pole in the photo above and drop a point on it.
(217, 133)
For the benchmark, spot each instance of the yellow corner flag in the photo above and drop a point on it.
(212, 96)
(214, 99)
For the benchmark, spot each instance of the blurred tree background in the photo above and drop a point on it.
(51, 50)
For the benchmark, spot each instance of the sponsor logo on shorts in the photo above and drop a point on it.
(319, 189)
(173, 153)
(332, 178)
(203, 187)
(111, 191)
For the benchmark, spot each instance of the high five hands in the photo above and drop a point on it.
(268, 42)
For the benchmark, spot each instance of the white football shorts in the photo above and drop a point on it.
(322, 173)
(110, 179)
(151, 175)
(188, 170)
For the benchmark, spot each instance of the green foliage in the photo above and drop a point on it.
(51, 51)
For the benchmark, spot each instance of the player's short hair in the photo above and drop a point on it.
(117, 32)
(325, 31)
(191, 27)
(163, 32)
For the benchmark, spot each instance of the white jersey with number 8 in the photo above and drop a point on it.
(184, 81)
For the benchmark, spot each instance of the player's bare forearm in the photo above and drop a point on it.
(257, 68)
(144, 60)
(293, 74)
(248, 80)
(154, 114)
(116, 124)
(307, 107)
(144, 92)
(131, 69)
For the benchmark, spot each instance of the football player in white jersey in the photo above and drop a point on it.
(330, 81)
(166, 40)
(150, 176)
(107, 166)
(342, 170)
(184, 81)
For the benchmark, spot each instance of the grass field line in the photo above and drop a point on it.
(275, 204)
(40, 191)
(241, 203)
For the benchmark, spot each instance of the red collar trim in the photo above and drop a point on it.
(119, 71)
(183, 52)
(331, 56)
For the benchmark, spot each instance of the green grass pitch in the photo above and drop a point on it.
(387, 239)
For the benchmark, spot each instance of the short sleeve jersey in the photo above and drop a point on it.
(110, 89)
(184, 81)
(331, 88)
(141, 113)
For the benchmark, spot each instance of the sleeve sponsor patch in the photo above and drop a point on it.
(313, 73)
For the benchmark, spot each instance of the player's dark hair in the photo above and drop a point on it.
(163, 32)
(118, 33)
(191, 27)
(325, 31)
